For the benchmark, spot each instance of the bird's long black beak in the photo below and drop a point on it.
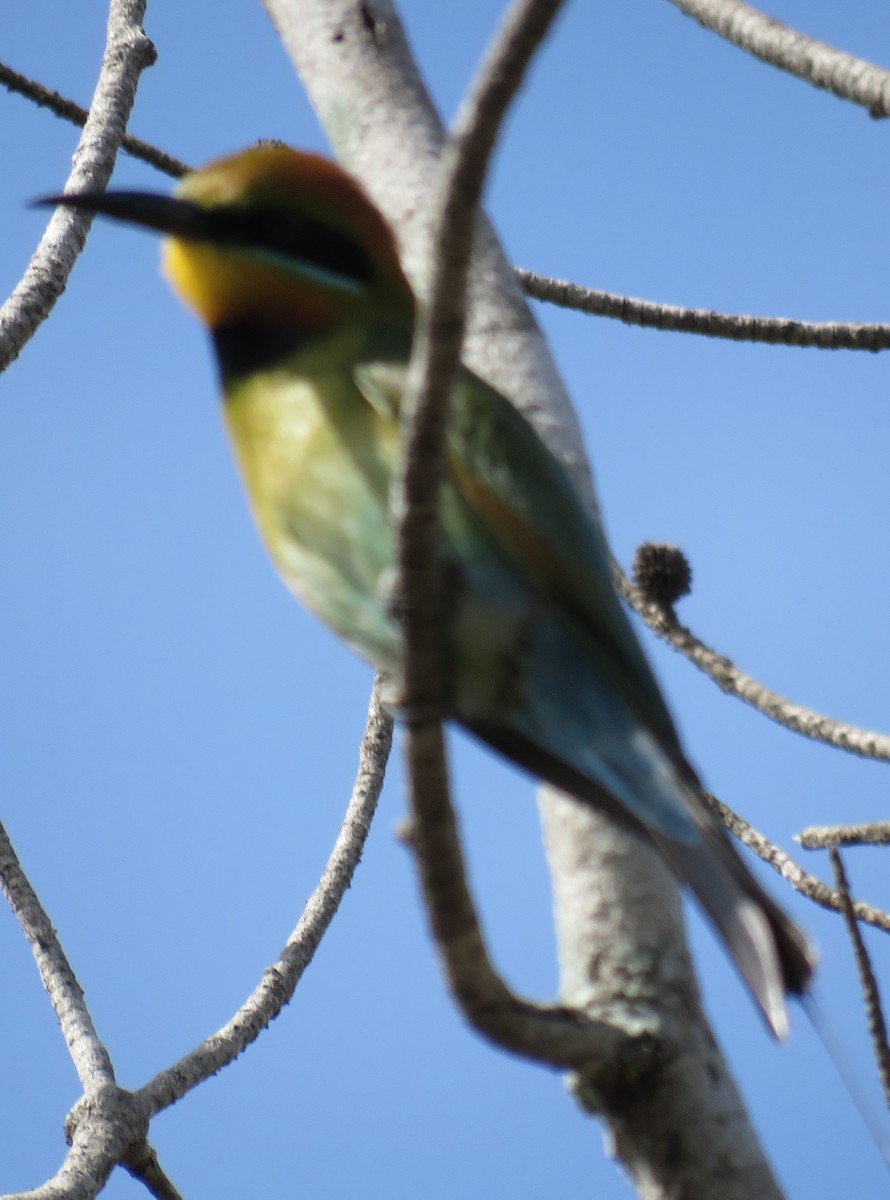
(278, 231)
(167, 214)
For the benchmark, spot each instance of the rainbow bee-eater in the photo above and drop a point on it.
(296, 276)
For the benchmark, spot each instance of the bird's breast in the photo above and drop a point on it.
(317, 461)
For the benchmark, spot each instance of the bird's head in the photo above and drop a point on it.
(268, 237)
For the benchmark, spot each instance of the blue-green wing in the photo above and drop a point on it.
(580, 706)
(537, 519)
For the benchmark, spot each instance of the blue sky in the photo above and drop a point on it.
(179, 738)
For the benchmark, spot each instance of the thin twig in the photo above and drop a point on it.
(127, 53)
(808, 885)
(775, 331)
(877, 1026)
(732, 680)
(109, 1125)
(68, 110)
(280, 980)
(648, 314)
(90, 1057)
(822, 837)
(815, 62)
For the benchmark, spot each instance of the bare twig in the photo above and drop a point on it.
(822, 837)
(127, 53)
(732, 680)
(91, 1059)
(109, 1125)
(877, 1026)
(280, 980)
(784, 331)
(648, 314)
(808, 885)
(815, 62)
(67, 110)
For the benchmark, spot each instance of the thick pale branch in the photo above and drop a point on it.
(356, 66)
(677, 1134)
(127, 53)
(815, 62)
(104, 1128)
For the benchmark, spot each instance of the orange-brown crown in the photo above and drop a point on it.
(284, 238)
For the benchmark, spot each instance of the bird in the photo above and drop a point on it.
(295, 274)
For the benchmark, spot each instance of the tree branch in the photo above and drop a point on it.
(556, 1036)
(822, 837)
(103, 1128)
(877, 1026)
(90, 1057)
(812, 61)
(144, 1167)
(109, 1125)
(808, 885)
(67, 110)
(279, 981)
(127, 53)
(774, 331)
(732, 680)
(357, 69)
(648, 314)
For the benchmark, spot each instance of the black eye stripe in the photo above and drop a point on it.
(291, 234)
